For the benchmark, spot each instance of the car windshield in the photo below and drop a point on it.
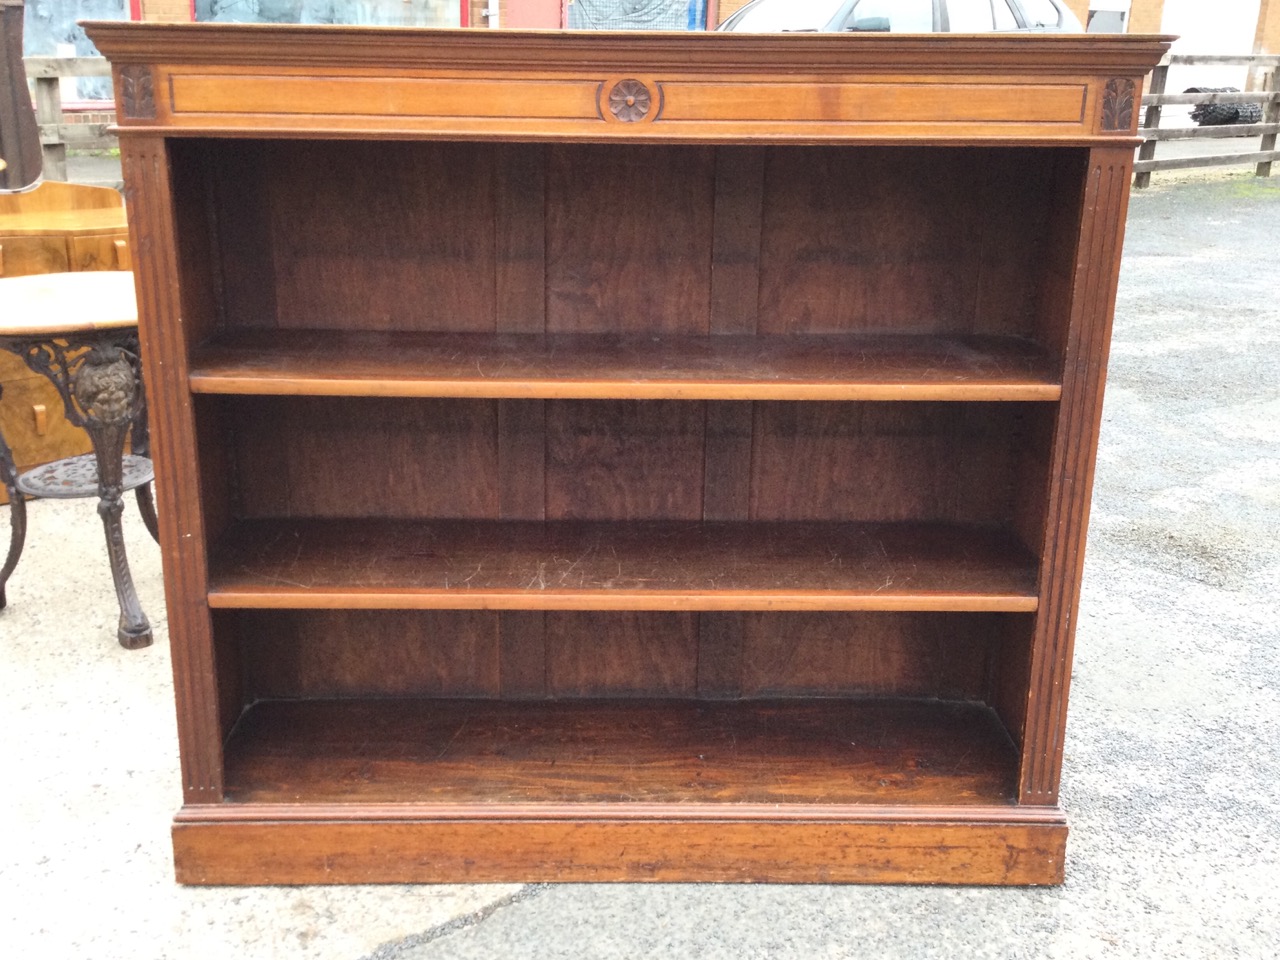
(899, 16)
(785, 16)
(1044, 14)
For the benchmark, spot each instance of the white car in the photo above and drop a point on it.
(902, 16)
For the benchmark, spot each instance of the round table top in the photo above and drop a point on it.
(72, 223)
(51, 304)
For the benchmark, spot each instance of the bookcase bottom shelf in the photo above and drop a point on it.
(815, 751)
(822, 790)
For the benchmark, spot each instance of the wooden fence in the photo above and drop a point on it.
(1156, 99)
(55, 133)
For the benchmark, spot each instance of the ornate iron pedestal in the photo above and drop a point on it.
(95, 369)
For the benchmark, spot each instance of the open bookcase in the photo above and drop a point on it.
(623, 456)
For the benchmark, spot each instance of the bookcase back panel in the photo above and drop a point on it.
(349, 653)
(624, 460)
(286, 654)
(628, 234)
(634, 460)
(591, 654)
(308, 456)
(914, 241)
(388, 236)
(896, 461)
(582, 238)
(907, 654)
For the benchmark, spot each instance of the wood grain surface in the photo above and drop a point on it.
(230, 79)
(641, 565)
(317, 847)
(307, 653)
(891, 752)
(529, 503)
(612, 366)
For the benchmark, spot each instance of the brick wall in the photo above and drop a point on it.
(729, 7)
(1145, 16)
(173, 11)
(1267, 38)
(71, 114)
(1080, 8)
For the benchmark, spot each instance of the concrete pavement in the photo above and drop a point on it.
(1172, 770)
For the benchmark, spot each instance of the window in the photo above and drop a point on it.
(1003, 16)
(979, 16)
(900, 16)
(784, 16)
(1041, 13)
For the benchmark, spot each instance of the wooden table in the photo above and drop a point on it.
(79, 330)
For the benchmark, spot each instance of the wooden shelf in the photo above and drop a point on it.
(887, 752)
(567, 565)
(850, 367)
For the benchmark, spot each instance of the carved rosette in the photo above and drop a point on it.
(630, 101)
(137, 93)
(1117, 105)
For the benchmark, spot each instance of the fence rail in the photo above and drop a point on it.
(1156, 99)
(55, 133)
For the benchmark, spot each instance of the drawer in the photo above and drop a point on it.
(22, 256)
(33, 420)
(109, 252)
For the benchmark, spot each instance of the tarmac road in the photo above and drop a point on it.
(1172, 772)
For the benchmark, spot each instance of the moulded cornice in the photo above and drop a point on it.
(384, 48)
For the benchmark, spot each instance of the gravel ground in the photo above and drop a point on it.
(1172, 772)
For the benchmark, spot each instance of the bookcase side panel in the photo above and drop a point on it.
(238, 180)
(175, 308)
(1074, 454)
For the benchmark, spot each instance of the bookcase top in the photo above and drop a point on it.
(281, 45)
(251, 80)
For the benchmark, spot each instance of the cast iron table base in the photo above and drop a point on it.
(97, 374)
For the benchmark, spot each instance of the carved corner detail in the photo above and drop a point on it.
(137, 93)
(1117, 105)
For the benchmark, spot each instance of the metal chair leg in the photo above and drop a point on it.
(140, 441)
(17, 515)
(147, 507)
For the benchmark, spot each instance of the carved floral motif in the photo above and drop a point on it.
(1117, 105)
(137, 93)
(629, 100)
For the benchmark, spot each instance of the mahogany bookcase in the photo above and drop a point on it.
(623, 456)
